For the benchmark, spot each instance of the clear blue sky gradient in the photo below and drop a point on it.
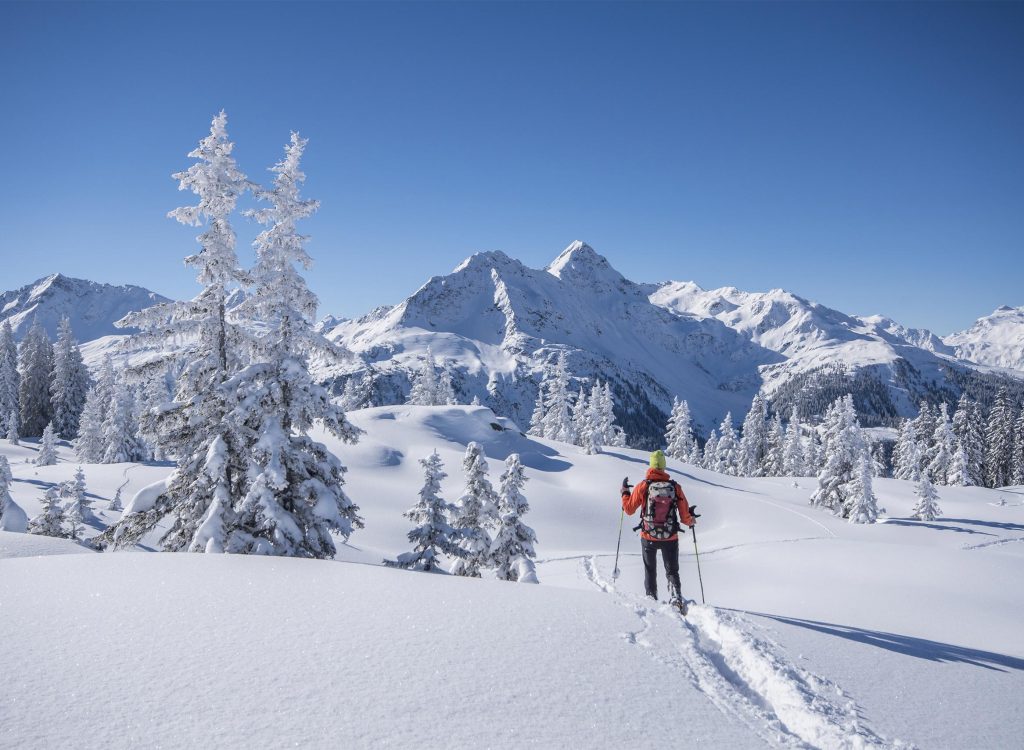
(868, 156)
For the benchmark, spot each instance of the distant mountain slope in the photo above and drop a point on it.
(996, 339)
(92, 307)
(496, 322)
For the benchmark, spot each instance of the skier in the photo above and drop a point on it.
(664, 504)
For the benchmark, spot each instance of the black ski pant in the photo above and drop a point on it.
(670, 555)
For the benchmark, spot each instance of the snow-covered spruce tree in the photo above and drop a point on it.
(582, 427)
(445, 390)
(814, 457)
(47, 455)
(924, 431)
(999, 441)
(863, 505)
(295, 498)
(557, 417)
(475, 512)
(1017, 467)
(537, 418)
(611, 433)
(89, 443)
(512, 550)
(358, 392)
(750, 459)
(907, 454)
(432, 535)
(959, 469)
(12, 517)
(793, 450)
(696, 454)
(35, 365)
(710, 459)
(424, 386)
(679, 431)
(969, 429)
(774, 458)
(927, 507)
(942, 456)
(844, 448)
(9, 377)
(76, 494)
(212, 458)
(727, 452)
(12, 428)
(121, 441)
(51, 521)
(70, 382)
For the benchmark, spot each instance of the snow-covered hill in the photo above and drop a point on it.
(496, 322)
(996, 339)
(817, 633)
(92, 307)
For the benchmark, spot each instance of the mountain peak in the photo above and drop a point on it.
(581, 263)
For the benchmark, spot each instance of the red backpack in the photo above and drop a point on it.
(660, 518)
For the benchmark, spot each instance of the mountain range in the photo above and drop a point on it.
(495, 323)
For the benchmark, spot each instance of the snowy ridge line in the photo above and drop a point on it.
(746, 677)
(996, 543)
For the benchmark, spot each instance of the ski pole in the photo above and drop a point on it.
(615, 572)
(693, 530)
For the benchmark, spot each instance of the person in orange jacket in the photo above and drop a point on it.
(664, 507)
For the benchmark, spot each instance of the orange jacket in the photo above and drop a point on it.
(631, 502)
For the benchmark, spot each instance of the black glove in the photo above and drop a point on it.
(626, 486)
(693, 515)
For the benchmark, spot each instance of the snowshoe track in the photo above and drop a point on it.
(745, 676)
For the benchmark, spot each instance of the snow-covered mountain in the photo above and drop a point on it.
(996, 339)
(495, 322)
(92, 307)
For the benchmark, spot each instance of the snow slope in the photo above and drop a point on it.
(817, 633)
(92, 307)
(996, 339)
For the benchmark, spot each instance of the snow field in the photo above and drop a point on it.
(817, 633)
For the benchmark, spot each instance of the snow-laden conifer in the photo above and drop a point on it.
(752, 445)
(582, 425)
(844, 448)
(512, 550)
(774, 452)
(906, 453)
(424, 386)
(89, 444)
(924, 431)
(70, 382)
(121, 441)
(50, 522)
(475, 512)
(537, 418)
(9, 377)
(696, 454)
(969, 429)
(679, 431)
(75, 492)
(432, 536)
(1017, 463)
(793, 450)
(709, 460)
(358, 392)
(295, 499)
(727, 451)
(927, 507)
(814, 458)
(35, 366)
(862, 503)
(959, 469)
(999, 441)
(12, 517)
(557, 416)
(943, 441)
(195, 428)
(47, 455)
(445, 389)
(13, 436)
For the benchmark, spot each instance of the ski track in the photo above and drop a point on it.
(996, 543)
(746, 677)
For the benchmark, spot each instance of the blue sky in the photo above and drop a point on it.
(868, 156)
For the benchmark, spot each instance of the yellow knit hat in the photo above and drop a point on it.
(657, 460)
